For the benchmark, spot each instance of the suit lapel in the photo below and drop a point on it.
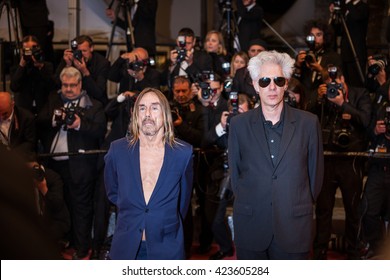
(133, 154)
(288, 132)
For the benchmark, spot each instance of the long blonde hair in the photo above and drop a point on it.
(169, 136)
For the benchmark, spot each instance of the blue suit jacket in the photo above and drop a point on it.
(275, 201)
(162, 217)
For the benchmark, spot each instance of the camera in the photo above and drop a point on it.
(76, 52)
(332, 88)
(38, 172)
(342, 136)
(387, 121)
(36, 52)
(175, 110)
(233, 98)
(70, 115)
(137, 65)
(290, 99)
(202, 80)
(181, 49)
(379, 64)
(310, 56)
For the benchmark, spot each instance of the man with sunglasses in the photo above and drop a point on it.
(276, 165)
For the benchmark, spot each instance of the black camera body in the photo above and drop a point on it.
(290, 99)
(310, 56)
(233, 97)
(137, 65)
(202, 80)
(379, 64)
(181, 49)
(36, 52)
(332, 88)
(175, 110)
(70, 115)
(77, 54)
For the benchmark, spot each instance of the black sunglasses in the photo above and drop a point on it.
(265, 81)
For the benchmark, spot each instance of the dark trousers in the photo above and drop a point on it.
(101, 210)
(345, 174)
(376, 204)
(220, 228)
(273, 252)
(79, 200)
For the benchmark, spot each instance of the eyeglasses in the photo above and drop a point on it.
(70, 85)
(265, 81)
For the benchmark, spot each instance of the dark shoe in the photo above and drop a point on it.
(221, 255)
(95, 255)
(80, 255)
(320, 254)
(203, 250)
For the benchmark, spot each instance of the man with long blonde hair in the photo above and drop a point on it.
(148, 176)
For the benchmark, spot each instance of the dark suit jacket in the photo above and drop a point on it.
(30, 83)
(249, 27)
(22, 132)
(162, 217)
(275, 202)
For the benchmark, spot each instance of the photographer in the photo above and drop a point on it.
(189, 125)
(184, 59)
(208, 88)
(376, 196)
(238, 103)
(344, 122)
(32, 80)
(376, 72)
(93, 66)
(311, 66)
(49, 197)
(72, 122)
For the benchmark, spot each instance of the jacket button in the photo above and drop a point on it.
(146, 210)
(274, 177)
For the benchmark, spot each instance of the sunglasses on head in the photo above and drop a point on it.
(265, 81)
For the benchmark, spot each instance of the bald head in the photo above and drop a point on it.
(141, 53)
(6, 105)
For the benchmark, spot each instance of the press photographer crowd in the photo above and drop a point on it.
(233, 144)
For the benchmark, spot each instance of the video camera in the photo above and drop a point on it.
(181, 49)
(379, 64)
(310, 56)
(76, 52)
(332, 88)
(70, 115)
(29, 53)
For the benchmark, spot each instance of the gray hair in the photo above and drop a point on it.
(71, 72)
(283, 59)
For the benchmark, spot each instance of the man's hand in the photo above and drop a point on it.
(81, 66)
(224, 118)
(68, 57)
(380, 127)
(76, 124)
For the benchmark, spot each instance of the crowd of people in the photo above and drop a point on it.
(246, 129)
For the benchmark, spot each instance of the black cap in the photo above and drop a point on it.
(259, 42)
